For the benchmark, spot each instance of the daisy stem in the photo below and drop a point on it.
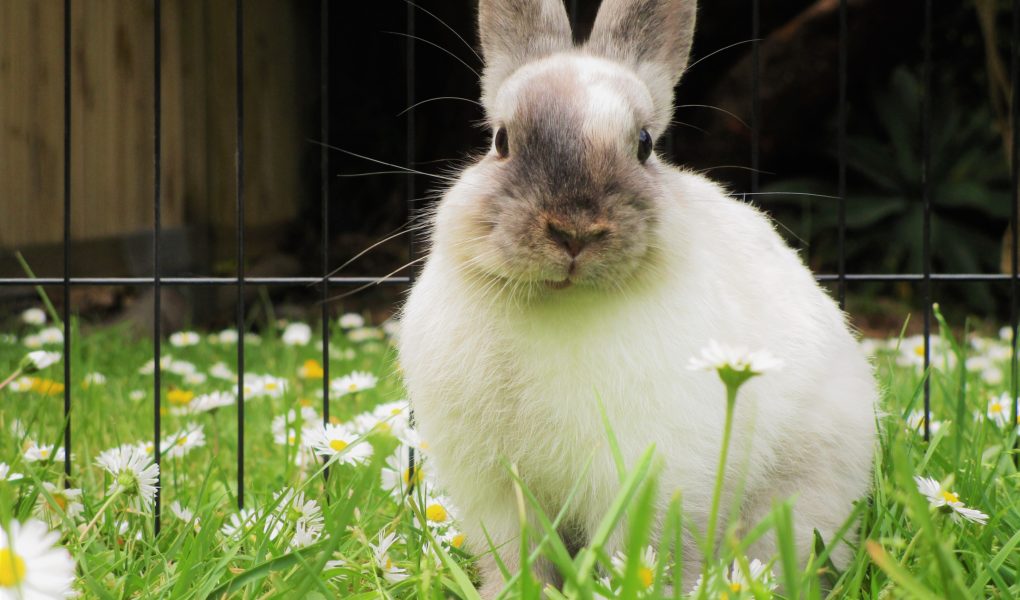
(731, 402)
(12, 377)
(100, 512)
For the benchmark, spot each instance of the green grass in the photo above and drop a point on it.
(906, 548)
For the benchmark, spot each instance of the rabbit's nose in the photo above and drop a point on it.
(574, 239)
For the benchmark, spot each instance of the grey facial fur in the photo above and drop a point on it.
(567, 204)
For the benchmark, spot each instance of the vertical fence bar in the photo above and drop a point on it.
(324, 183)
(410, 157)
(755, 92)
(841, 150)
(67, 243)
(156, 230)
(1014, 250)
(239, 197)
(926, 199)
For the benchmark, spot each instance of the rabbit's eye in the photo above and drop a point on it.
(644, 146)
(501, 143)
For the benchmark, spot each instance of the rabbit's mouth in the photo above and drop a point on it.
(558, 285)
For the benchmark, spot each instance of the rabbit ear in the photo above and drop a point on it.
(652, 36)
(514, 32)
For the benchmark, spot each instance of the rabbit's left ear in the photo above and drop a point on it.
(515, 32)
(651, 36)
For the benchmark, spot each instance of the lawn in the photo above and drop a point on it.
(353, 531)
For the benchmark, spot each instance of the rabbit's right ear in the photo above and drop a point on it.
(515, 32)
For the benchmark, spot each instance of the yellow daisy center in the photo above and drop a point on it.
(995, 408)
(337, 445)
(736, 587)
(458, 541)
(645, 575)
(291, 438)
(60, 501)
(418, 476)
(950, 497)
(149, 448)
(12, 568)
(182, 440)
(43, 452)
(271, 385)
(352, 387)
(919, 349)
(435, 513)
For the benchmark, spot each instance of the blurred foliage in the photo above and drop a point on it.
(970, 196)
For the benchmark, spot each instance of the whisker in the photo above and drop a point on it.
(788, 194)
(711, 54)
(362, 288)
(744, 167)
(688, 125)
(382, 162)
(417, 104)
(435, 45)
(722, 110)
(444, 24)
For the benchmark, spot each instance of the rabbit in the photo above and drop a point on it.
(570, 268)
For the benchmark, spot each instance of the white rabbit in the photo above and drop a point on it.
(570, 266)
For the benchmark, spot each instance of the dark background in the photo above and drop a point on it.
(370, 82)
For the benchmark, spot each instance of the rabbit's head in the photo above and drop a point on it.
(570, 191)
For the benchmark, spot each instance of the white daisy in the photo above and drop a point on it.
(1006, 333)
(39, 360)
(365, 334)
(184, 441)
(194, 378)
(396, 475)
(32, 341)
(181, 367)
(34, 316)
(184, 514)
(134, 474)
(438, 510)
(453, 538)
(32, 565)
(137, 395)
(252, 339)
(336, 443)
(391, 327)
(1000, 409)
(21, 384)
(350, 321)
(357, 381)
(94, 379)
(649, 561)
(67, 500)
(240, 522)
(222, 371)
(227, 337)
(206, 403)
(258, 386)
(716, 356)
(150, 365)
(7, 475)
(735, 582)
(51, 336)
(297, 334)
(381, 552)
(915, 422)
(42, 453)
(296, 511)
(183, 339)
(947, 501)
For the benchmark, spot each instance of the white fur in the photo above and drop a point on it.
(498, 378)
(492, 382)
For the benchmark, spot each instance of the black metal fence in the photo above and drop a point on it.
(327, 281)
